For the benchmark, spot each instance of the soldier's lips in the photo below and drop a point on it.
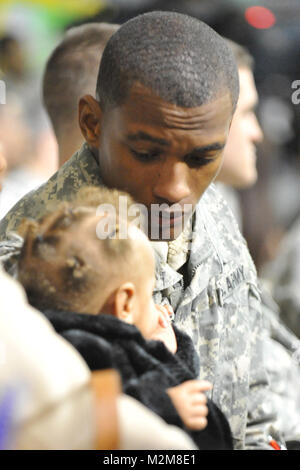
(170, 219)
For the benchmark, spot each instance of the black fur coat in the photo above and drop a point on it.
(147, 368)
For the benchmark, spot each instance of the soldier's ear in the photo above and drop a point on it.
(90, 120)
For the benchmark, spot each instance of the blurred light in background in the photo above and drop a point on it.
(39, 24)
(260, 17)
(58, 12)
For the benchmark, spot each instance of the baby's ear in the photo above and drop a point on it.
(124, 302)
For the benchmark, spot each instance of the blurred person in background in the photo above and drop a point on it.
(283, 271)
(239, 171)
(3, 165)
(12, 60)
(29, 147)
(25, 134)
(71, 72)
(239, 165)
(284, 276)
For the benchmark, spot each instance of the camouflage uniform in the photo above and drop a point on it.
(282, 361)
(81, 170)
(284, 273)
(281, 348)
(219, 306)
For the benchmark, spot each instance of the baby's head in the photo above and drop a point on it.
(64, 265)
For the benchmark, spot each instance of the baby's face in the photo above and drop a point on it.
(146, 316)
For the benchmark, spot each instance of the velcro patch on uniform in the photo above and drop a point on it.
(230, 282)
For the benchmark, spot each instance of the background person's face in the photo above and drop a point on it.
(3, 165)
(161, 153)
(239, 166)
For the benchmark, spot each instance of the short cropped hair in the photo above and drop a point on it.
(178, 57)
(65, 279)
(71, 71)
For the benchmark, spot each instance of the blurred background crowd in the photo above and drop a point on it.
(30, 29)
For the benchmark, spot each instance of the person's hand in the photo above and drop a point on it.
(191, 403)
(164, 331)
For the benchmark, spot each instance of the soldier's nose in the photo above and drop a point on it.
(172, 183)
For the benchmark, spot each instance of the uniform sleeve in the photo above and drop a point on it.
(286, 289)
(284, 274)
(9, 253)
(261, 413)
(10, 222)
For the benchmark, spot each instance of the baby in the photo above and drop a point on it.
(98, 294)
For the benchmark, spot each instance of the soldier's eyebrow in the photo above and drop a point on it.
(209, 148)
(147, 137)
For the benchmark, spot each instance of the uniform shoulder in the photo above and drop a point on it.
(222, 226)
(219, 207)
(79, 170)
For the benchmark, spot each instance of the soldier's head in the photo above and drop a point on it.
(71, 71)
(166, 92)
(75, 259)
(239, 165)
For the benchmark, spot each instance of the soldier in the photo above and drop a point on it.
(166, 92)
(239, 171)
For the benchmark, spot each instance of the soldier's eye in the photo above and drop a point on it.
(146, 157)
(196, 161)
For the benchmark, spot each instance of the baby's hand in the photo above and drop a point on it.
(191, 403)
(164, 331)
